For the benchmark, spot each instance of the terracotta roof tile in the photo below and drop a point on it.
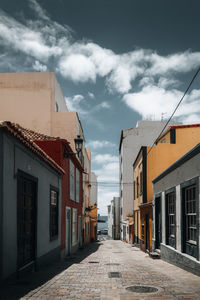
(27, 137)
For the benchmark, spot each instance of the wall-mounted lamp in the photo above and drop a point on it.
(78, 145)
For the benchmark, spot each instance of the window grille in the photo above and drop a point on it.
(74, 227)
(77, 185)
(141, 183)
(71, 179)
(137, 182)
(53, 214)
(190, 214)
(171, 219)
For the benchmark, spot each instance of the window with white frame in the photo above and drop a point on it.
(171, 218)
(71, 180)
(190, 214)
(77, 185)
(74, 226)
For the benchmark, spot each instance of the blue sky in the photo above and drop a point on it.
(117, 62)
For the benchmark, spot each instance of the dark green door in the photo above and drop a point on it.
(26, 221)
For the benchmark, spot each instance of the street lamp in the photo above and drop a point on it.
(78, 144)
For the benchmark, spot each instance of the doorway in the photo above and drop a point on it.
(26, 220)
(158, 223)
(67, 230)
(147, 246)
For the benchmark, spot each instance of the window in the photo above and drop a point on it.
(56, 107)
(171, 218)
(74, 226)
(141, 183)
(172, 136)
(71, 179)
(77, 185)
(137, 183)
(134, 190)
(190, 214)
(53, 213)
(142, 230)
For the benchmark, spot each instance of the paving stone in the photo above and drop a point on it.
(83, 280)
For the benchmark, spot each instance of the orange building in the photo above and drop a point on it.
(150, 162)
(93, 222)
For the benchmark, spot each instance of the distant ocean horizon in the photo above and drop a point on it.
(102, 225)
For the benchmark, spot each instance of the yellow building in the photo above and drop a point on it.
(138, 193)
(150, 162)
(93, 222)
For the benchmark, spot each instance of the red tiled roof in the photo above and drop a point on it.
(24, 135)
(32, 135)
(185, 126)
(177, 127)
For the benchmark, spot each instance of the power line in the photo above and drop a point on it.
(108, 183)
(191, 82)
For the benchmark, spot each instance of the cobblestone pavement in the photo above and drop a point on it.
(90, 277)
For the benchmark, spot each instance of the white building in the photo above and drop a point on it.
(114, 218)
(131, 140)
(94, 189)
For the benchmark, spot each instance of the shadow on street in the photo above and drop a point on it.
(13, 289)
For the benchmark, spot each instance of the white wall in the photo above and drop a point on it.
(94, 189)
(144, 134)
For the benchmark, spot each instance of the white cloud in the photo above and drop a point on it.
(106, 158)
(73, 104)
(91, 95)
(105, 195)
(176, 63)
(153, 100)
(40, 12)
(101, 105)
(37, 66)
(20, 37)
(84, 61)
(108, 178)
(100, 144)
(77, 67)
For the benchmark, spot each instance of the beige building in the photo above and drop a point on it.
(36, 101)
(138, 189)
(87, 194)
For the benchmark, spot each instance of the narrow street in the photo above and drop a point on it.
(104, 271)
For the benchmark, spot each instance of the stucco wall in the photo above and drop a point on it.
(110, 219)
(144, 134)
(59, 97)
(163, 155)
(17, 157)
(26, 98)
(189, 170)
(29, 99)
(94, 188)
(117, 217)
(64, 125)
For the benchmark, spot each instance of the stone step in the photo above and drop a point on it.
(154, 255)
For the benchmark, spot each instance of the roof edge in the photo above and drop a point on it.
(187, 156)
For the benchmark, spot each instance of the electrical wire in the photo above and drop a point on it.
(131, 183)
(108, 183)
(191, 82)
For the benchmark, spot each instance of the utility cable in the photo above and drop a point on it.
(191, 82)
